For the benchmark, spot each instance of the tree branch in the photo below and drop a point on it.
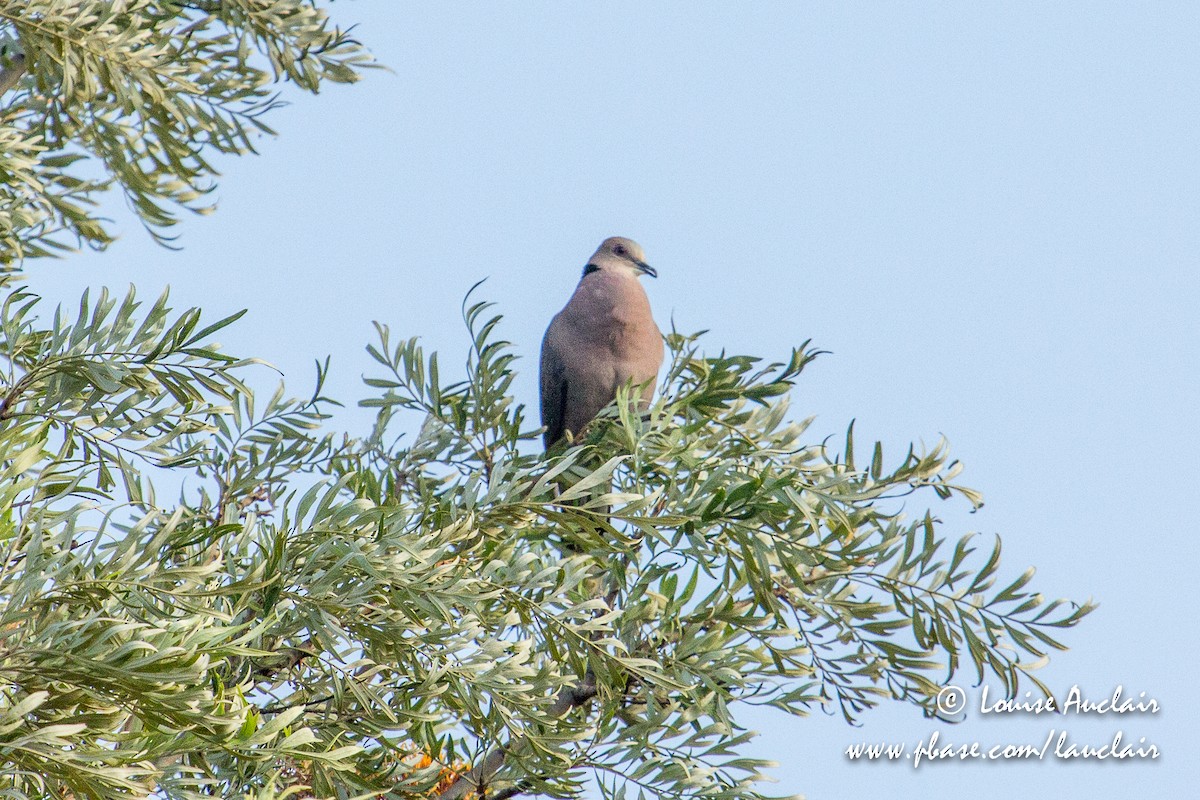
(479, 776)
(290, 658)
(9, 402)
(510, 791)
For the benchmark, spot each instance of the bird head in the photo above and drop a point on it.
(620, 255)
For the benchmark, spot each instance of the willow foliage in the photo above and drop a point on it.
(141, 95)
(421, 614)
(207, 593)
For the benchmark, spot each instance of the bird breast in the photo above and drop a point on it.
(618, 313)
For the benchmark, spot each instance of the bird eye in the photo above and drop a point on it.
(619, 249)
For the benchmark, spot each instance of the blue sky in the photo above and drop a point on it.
(987, 212)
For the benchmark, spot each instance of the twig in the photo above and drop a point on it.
(478, 777)
(292, 658)
(511, 791)
(279, 708)
(9, 403)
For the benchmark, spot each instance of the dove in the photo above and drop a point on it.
(603, 338)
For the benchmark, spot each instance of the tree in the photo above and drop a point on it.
(140, 95)
(416, 607)
(207, 593)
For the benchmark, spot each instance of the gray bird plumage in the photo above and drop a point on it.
(603, 338)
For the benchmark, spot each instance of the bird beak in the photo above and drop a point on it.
(646, 268)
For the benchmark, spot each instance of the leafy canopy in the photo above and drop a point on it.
(383, 613)
(141, 96)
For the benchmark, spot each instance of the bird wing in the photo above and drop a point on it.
(554, 388)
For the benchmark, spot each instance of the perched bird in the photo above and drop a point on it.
(604, 337)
